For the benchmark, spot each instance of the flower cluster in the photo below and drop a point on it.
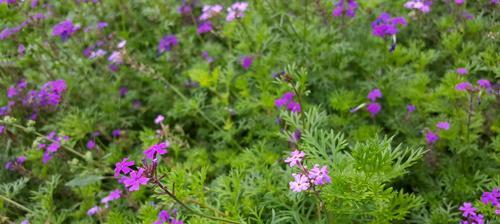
(18, 162)
(51, 145)
(246, 62)
(385, 25)
(34, 101)
(373, 107)
(345, 8)
(167, 43)
(469, 212)
(113, 195)
(165, 217)
(467, 86)
(287, 101)
(432, 137)
(65, 29)
(307, 178)
(11, 31)
(210, 11)
(420, 5)
(236, 10)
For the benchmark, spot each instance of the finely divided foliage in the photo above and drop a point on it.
(264, 111)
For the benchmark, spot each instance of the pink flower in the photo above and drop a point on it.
(246, 62)
(159, 119)
(484, 83)
(113, 195)
(163, 217)
(373, 108)
(374, 94)
(135, 180)
(236, 11)
(90, 144)
(319, 175)
(431, 137)
(462, 71)
(123, 167)
(443, 125)
(463, 86)
(287, 100)
(158, 149)
(210, 11)
(459, 2)
(295, 158)
(467, 209)
(301, 183)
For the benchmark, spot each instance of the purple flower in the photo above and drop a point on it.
(467, 209)
(443, 125)
(21, 50)
(462, 71)
(21, 159)
(184, 9)
(102, 25)
(94, 210)
(463, 86)
(484, 83)
(207, 57)
(158, 149)
(25, 222)
(295, 137)
(236, 10)
(293, 107)
(116, 58)
(295, 158)
(301, 183)
(9, 165)
(64, 29)
(135, 180)
(163, 217)
(410, 108)
(113, 195)
(348, 10)
(287, 100)
(116, 133)
(423, 6)
(489, 198)
(205, 27)
(459, 2)
(123, 167)
(319, 175)
(167, 43)
(159, 119)
(11, 92)
(246, 62)
(90, 144)
(53, 147)
(2, 129)
(210, 11)
(431, 137)
(373, 108)
(374, 94)
(123, 91)
(46, 157)
(385, 25)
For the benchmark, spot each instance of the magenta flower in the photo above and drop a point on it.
(53, 147)
(463, 86)
(113, 195)
(158, 149)
(210, 11)
(135, 180)
(385, 25)
(236, 10)
(301, 183)
(295, 158)
(167, 43)
(246, 62)
(90, 144)
(431, 137)
(2, 129)
(341, 8)
(421, 5)
(459, 2)
(163, 217)
(46, 157)
(467, 209)
(373, 108)
(410, 108)
(462, 71)
(94, 210)
(204, 27)
(294, 107)
(287, 100)
(443, 125)
(116, 133)
(374, 94)
(123, 167)
(21, 159)
(159, 119)
(319, 175)
(64, 29)
(484, 83)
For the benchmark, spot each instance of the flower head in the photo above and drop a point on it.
(431, 137)
(385, 25)
(374, 94)
(462, 71)
(158, 149)
(159, 119)
(113, 195)
(287, 101)
(421, 5)
(246, 62)
(484, 83)
(467, 209)
(301, 183)
(210, 11)
(319, 175)
(167, 43)
(90, 144)
(94, 210)
(373, 108)
(295, 158)
(135, 180)
(236, 10)
(410, 108)
(341, 8)
(463, 86)
(163, 217)
(64, 29)
(443, 125)
(204, 27)
(123, 167)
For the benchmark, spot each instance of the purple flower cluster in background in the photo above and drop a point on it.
(34, 101)
(469, 212)
(420, 5)
(51, 144)
(236, 10)
(165, 217)
(345, 8)
(65, 29)
(373, 107)
(287, 101)
(113, 195)
(386, 25)
(482, 84)
(167, 43)
(12, 164)
(11, 31)
(316, 176)
(432, 137)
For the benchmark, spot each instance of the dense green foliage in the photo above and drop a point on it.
(228, 139)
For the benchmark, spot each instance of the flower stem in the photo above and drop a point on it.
(22, 207)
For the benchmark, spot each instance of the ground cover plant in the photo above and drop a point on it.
(264, 111)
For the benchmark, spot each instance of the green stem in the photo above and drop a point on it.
(22, 207)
